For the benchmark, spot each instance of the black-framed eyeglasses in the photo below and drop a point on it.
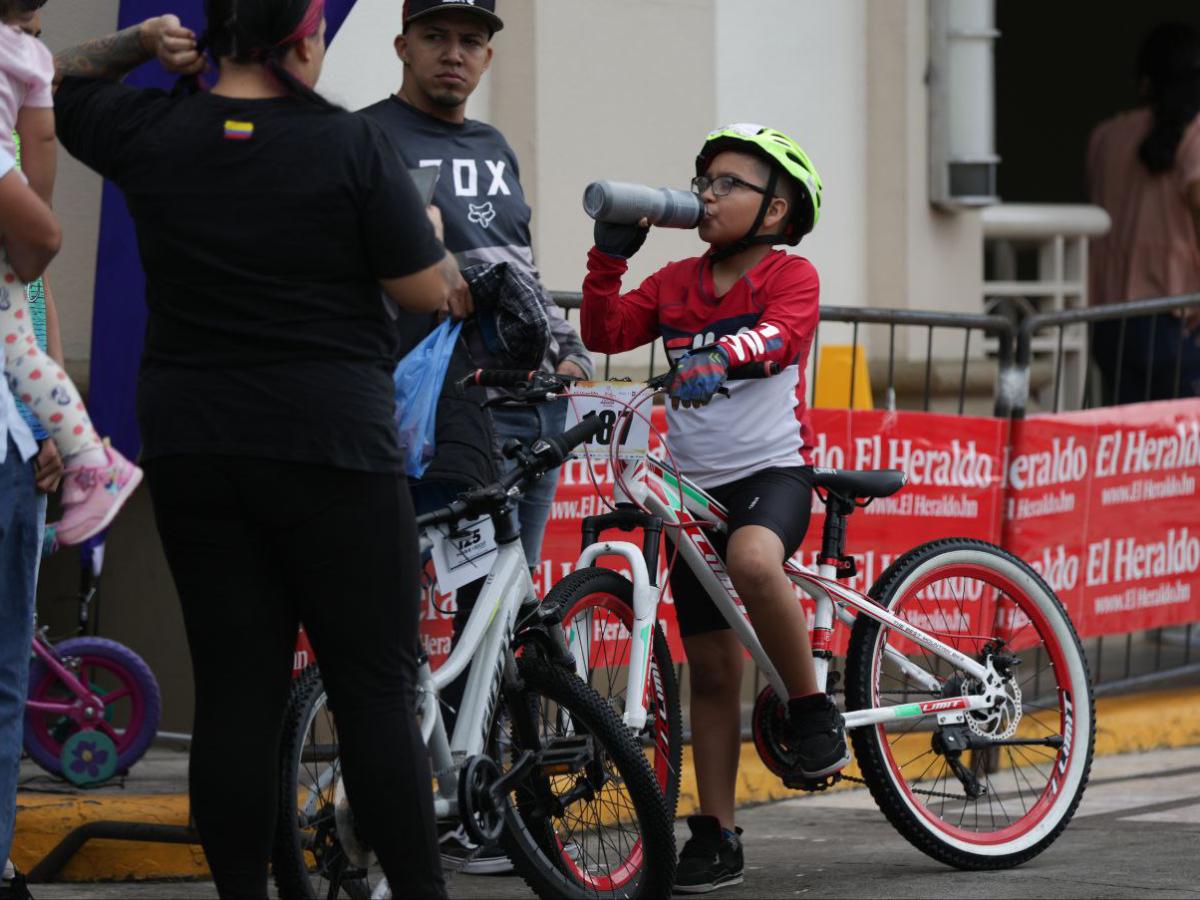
(722, 185)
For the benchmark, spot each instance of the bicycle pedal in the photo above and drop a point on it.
(813, 785)
(565, 755)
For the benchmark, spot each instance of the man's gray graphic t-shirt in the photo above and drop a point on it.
(479, 194)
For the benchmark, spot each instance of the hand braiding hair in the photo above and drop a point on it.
(260, 31)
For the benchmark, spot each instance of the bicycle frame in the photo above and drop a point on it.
(658, 487)
(484, 648)
(85, 708)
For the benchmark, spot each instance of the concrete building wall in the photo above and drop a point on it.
(77, 195)
(777, 66)
(916, 257)
(588, 89)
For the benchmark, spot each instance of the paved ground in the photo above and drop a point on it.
(1137, 833)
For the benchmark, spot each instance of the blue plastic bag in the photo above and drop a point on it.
(418, 380)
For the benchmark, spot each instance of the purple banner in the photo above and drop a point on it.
(119, 312)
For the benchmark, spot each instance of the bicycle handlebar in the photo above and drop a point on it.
(538, 381)
(746, 372)
(497, 378)
(753, 370)
(543, 456)
(562, 444)
(549, 453)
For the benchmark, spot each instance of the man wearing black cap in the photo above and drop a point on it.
(446, 48)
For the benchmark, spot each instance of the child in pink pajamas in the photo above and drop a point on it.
(98, 479)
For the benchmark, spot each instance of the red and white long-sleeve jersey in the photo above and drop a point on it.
(770, 314)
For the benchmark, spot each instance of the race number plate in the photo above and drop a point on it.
(466, 555)
(608, 400)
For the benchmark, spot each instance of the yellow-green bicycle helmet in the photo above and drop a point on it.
(785, 155)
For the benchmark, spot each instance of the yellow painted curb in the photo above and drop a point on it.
(1127, 724)
(1123, 725)
(44, 820)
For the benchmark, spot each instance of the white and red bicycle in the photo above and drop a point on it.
(967, 696)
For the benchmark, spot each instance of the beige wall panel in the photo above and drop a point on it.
(888, 190)
(76, 194)
(945, 249)
(512, 90)
(800, 66)
(624, 91)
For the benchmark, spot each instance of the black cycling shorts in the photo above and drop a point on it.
(779, 499)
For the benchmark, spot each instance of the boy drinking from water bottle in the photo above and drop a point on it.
(741, 302)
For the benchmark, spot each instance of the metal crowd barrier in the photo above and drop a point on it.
(1094, 393)
(968, 326)
(1143, 657)
(1017, 348)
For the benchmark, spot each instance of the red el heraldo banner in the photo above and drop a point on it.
(955, 468)
(1104, 504)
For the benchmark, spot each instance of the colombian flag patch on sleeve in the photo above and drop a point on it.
(238, 131)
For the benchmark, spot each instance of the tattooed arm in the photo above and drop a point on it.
(115, 56)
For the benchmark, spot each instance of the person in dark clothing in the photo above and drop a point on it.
(1143, 168)
(446, 48)
(266, 409)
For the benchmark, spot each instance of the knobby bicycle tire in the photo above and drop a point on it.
(536, 849)
(293, 873)
(600, 588)
(968, 593)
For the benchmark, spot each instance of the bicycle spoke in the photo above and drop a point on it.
(977, 605)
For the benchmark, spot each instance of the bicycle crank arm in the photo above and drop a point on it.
(519, 772)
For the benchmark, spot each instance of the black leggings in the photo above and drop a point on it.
(256, 547)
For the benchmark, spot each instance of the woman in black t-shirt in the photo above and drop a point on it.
(267, 222)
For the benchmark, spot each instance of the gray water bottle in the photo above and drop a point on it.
(622, 203)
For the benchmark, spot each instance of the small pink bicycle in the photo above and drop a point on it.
(93, 705)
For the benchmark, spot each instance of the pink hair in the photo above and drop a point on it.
(309, 25)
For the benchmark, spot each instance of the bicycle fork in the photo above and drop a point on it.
(645, 606)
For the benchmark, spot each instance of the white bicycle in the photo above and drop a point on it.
(967, 695)
(537, 760)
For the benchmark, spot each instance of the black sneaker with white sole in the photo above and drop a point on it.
(820, 736)
(711, 859)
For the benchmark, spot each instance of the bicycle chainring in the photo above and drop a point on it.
(482, 819)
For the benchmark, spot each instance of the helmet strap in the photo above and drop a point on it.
(752, 238)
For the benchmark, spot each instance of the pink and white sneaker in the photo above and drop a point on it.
(93, 495)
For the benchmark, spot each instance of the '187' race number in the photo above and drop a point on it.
(606, 400)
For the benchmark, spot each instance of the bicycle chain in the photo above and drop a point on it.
(941, 794)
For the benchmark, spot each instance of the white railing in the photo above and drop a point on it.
(1037, 258)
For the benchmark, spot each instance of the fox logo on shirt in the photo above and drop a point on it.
(482, 215)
